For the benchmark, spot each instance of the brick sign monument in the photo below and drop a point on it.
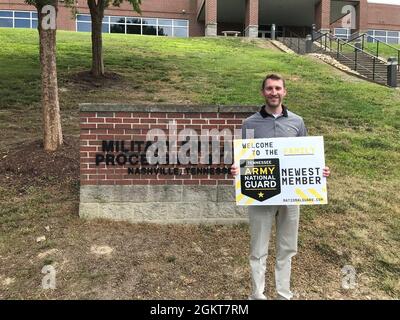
(159, 163)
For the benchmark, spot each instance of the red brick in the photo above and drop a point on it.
(217, 122)
(87, 171)
(132, 131)
(105, 126)
(194, 121)
(87, 125)
(131, 120)
(141, 126)
(115, 176)
(123, 126)
(122, 137)
(87, 136)
(114, 120)
(148, 120)
(184, 121)
(105, 137)
(96, 120)
(234, 121)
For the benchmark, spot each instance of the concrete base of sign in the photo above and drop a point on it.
(162, 204)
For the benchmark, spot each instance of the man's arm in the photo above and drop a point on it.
(303, 130)
(303, 133)
(235, 170)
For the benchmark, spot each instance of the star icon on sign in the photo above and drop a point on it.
(261, 195)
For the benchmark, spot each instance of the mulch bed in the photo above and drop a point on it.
(29, 164)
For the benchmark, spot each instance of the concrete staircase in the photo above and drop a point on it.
(374, 71)
(364, 65)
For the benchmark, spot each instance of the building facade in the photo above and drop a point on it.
(252, 18)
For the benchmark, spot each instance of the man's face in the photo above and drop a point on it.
(273, 92)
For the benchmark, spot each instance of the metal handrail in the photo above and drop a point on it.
(377, 40)
(345, 43)
(346, 14)
(363, 35)
(374, 75)
(339, 52)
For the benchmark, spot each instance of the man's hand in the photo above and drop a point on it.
(235, 169)
(326, 172)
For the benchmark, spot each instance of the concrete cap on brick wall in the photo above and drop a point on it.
(114, 107)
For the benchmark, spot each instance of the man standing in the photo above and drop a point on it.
(272, 121)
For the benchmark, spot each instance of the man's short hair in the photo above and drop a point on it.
(273, 76)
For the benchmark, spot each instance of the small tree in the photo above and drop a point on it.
(47, 27)
(97, 8)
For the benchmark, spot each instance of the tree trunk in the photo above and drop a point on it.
(97, 14)
(52, 138)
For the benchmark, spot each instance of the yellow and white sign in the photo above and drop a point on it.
(280, 171)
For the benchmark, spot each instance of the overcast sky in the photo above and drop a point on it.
(385, 1)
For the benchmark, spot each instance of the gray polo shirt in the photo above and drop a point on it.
(265, 125)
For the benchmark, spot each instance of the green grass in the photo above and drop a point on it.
(360, 122)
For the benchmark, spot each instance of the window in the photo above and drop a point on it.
(165, 31)
(18, 19)
(393, 34)
(22, 23)
(137, 25)
(6, 23)
(392, 40)
(7, 14)
(133, 20)
(342, 33)
(180, 32)
(390, 37)
(133, 29)
(84, 27)
(82, 17)
(165, 22)
(117, 28)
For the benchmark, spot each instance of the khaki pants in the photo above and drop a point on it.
(261, 219)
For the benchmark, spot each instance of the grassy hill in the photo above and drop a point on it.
(359, 120)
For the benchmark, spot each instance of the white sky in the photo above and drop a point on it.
(385, 1)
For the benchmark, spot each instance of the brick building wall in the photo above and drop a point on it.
(379, 16)
(150, 8)
(385, 17)
(251, 18)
